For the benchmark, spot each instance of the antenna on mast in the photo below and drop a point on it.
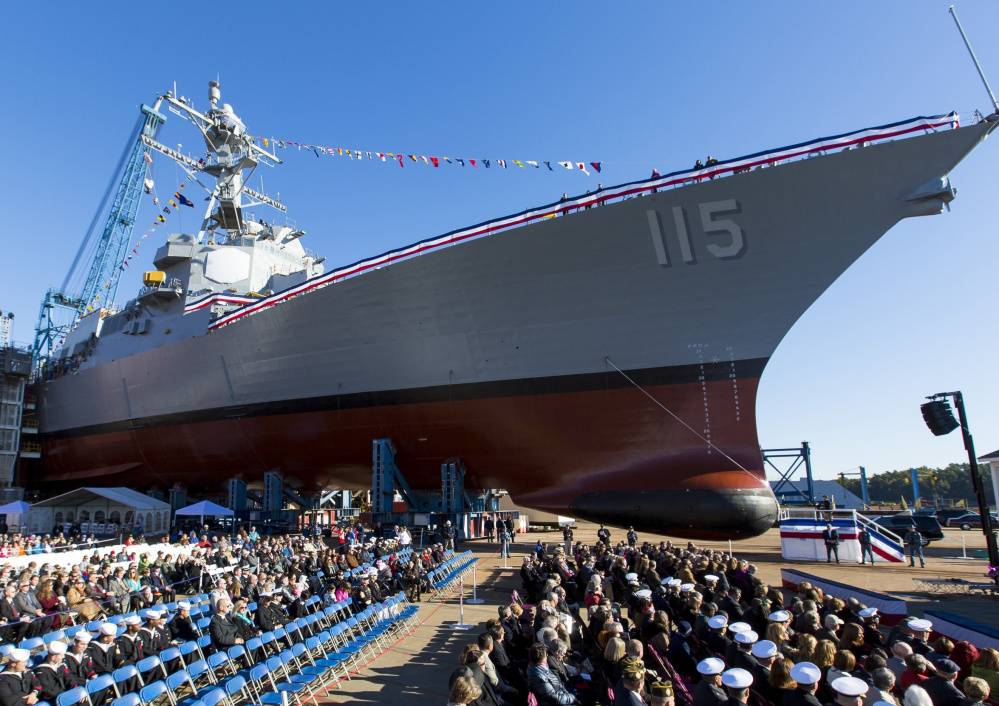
(995, 104)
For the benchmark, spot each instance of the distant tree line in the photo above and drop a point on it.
(950, 483)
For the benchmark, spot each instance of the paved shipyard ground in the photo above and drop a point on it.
(416, 670)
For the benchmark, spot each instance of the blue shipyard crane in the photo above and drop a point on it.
(105, 245)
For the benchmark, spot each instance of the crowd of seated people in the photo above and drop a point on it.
(632, 623)
(62, 626)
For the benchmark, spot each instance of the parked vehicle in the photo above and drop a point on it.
(945, 515)
(969, 520)
(929, 527)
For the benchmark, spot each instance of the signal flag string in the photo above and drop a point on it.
(359, 155)
(670, 413)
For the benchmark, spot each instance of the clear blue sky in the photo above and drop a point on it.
(636, 84)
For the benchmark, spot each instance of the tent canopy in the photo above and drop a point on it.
(18, 507)
(205, 509)
(123, 496)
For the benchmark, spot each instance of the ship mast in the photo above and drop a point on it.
(229, 151)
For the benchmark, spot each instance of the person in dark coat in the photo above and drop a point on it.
(16, 625)
(17, 687)
(181, 627)
(941, 688)
(104, 652)
(79, 662)
(740, 655)
(831, 538)
(51, 676)
(221, 628)
(130, 642)
(709, 691)
(765, 652)
(807, 675)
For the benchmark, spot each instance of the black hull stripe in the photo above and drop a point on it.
(523, 387)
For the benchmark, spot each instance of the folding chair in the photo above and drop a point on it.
(73, 696)
(99, 685)
(126, 700)
(151, 692)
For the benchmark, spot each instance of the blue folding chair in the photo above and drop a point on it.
(150, 692)
(122, 675)
(99, 684)
(73, 696)
(126, 700)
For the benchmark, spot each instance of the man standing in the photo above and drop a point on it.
(448, 534)
(632, 537)
(914, 540)
(567, 538)
(831, 537)
(866, 549)
(490, 528)
(504, 538)
(603, 534)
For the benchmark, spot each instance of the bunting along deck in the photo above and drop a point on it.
(722, 168)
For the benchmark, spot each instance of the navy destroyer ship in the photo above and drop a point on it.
(598, 356)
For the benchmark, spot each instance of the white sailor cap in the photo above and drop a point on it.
(710, 578)
(779, 616)
(711, 665)
(133, 620)
(739, 627)
(183, 605)
(717, 622)
(675, 582)
(644, 593)
(764, 649)
(372, 572)
(737, 678)
(868, 612)
(806, 673)
(83, 636)
(18, 655)
(153, 615)
(849, 686)
(686, 587)
(57, 647)
(920, 625)
(631, 577)
(109, 629)
(746, 637)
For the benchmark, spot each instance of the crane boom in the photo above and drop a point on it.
(60, 309)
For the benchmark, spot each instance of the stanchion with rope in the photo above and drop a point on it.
(475, 600)
(461, 625)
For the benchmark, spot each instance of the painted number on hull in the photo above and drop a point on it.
(713, 223)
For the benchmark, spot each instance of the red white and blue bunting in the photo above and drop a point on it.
(656, 183)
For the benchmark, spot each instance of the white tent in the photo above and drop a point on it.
(101, 510)
(15, 514)
(205, 509)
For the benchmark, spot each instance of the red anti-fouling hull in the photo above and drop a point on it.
(557, 451)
